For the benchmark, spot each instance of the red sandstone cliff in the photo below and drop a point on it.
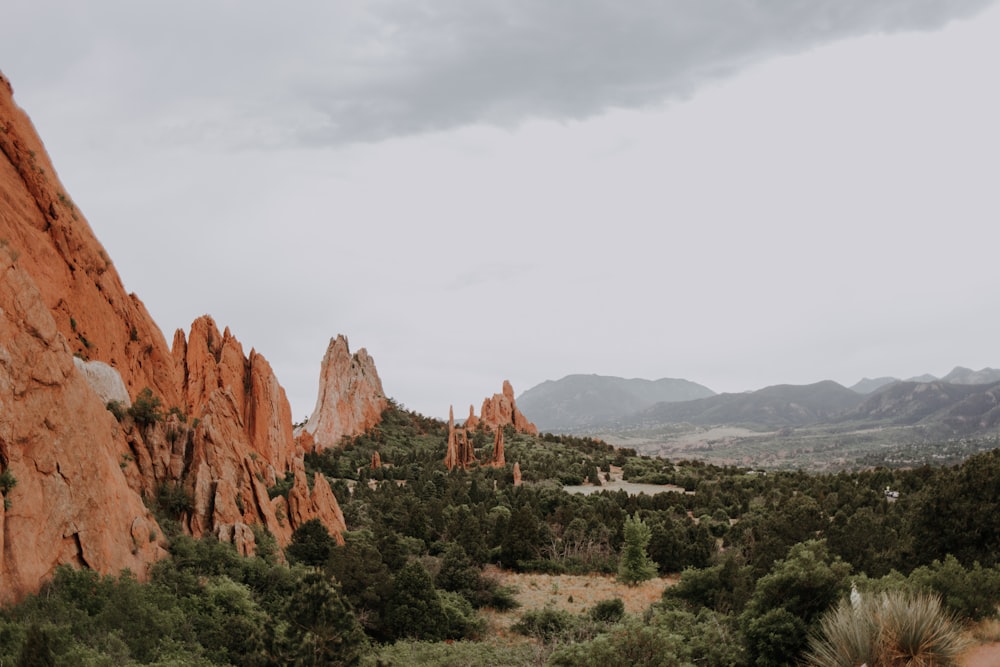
(350, 400)
(81, 475)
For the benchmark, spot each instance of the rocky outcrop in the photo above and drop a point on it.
(376, 461)
(498, 460)
(66, 498)
(501, 410)
(73, 274)
(320, 503)
(104, 380)
(350, 400)
(472, 421)
(460, 453)
(517, 473)
(209, 424)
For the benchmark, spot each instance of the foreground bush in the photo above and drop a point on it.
(887, 630)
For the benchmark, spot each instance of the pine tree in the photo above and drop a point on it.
(635, 564)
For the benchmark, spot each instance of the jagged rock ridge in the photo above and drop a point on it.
(219, 432)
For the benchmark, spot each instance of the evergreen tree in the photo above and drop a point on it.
(322, 629)
(635, 564)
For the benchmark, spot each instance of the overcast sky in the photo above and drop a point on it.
(739, 193)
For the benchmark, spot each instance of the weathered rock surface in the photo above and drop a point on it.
(501, 410)
(70, 269)
(498, 460)
(104, 380)
(350, 400)
(460, 452)
(72, 502)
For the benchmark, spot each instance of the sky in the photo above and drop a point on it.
(738, 193)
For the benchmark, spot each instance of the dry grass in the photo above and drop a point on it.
(569, 592)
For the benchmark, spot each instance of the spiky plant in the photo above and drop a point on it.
(894, 629)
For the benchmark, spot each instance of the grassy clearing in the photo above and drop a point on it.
(568, 592)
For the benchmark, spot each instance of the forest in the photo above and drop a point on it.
(767, 567)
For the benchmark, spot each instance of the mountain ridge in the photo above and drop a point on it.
(580, 399)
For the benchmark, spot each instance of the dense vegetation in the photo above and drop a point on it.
(764, 561)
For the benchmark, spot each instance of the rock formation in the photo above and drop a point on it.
(376, 461)
(350, 399)
(207, 422)
(517, 473)
(66, 499)
(472, 421)
(501, 410)
(460, 453)
(498, 460)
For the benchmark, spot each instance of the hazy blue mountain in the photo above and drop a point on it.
(772, 407)
(961, 375)
(955, 409)
(868, 385)
(578, 401)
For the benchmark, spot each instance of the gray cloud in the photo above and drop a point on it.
(457, 62)
(319, 73)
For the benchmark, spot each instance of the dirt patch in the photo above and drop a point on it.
(984, 655)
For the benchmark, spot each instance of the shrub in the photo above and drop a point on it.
(547, 624)
(118, 409)
(173, 499)
(608, 611)
(888, 629)
(145, 409)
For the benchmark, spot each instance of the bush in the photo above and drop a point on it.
(145, 409)
(174, 500)
(888, 629)
(971, 593)
(118, 409)
(608, 611)
(547, 624)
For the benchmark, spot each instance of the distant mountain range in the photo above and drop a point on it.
(579, 401)
(962, 402)
(772, 407)
(958, 375)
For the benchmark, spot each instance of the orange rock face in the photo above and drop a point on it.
(70, 269)
(71, 503)
(350, 399)
(501, 410)
(498, 460)
(460, 452)
(223, 434)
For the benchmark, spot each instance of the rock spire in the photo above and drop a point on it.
(350, 400)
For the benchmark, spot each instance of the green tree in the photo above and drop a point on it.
(414, 608)
(787, 603)
(635, 564)
(311, 544)
(321, 629)
(35, 651)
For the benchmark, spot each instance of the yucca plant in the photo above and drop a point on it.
(894, 629)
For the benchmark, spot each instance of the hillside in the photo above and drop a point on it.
(579, 401)
(772, 407)
(953, 409)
